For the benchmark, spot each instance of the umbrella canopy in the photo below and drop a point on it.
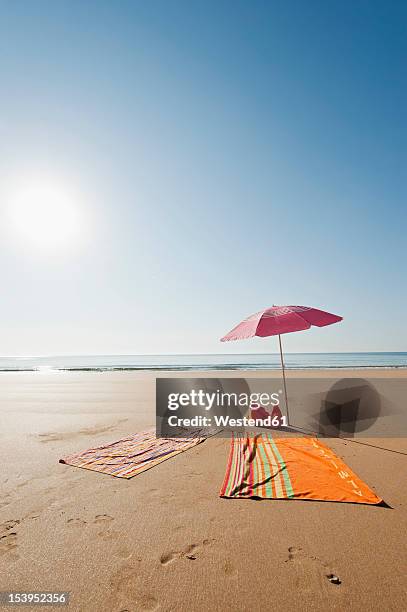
(280, 320)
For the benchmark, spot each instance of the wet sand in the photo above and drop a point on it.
(165, 540)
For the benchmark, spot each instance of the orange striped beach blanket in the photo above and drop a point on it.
(290, 468)
(130, 456)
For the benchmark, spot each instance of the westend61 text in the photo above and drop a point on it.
(226, 421)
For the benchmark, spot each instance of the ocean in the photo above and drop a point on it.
(203, 362)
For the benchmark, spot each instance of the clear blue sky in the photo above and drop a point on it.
(223, 156)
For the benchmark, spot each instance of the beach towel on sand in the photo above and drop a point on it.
(130, 456)
(290, 468)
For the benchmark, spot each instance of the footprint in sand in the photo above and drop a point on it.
(103, 518)
(189, 552)
(8, 536)
(5, 500)
(104, 521)
(109, 534)
(8, 542)
(128, 592)
(76, 522)
(168, 557)
(229, 569)
(32, 515)
(124, 553)
(8, 525)
(311, 572)
(54, 436)
(293, 553)
(20, 485)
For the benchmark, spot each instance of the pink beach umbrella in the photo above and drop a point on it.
(279, 320)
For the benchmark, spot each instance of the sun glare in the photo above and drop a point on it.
(45, 215)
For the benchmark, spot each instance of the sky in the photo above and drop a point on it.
(168, 168)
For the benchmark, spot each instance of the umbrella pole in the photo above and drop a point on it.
(285, 386)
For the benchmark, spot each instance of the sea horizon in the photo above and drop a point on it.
(207, 361)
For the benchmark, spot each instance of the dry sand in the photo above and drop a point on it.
(165, 540)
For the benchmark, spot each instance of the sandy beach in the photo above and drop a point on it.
(164, 540)
(205, 191)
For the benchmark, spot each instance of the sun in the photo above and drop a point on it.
(45, 215)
